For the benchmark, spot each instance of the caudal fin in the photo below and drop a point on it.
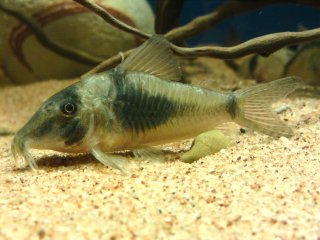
(252, 106)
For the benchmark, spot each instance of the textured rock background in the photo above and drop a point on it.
(68, 24)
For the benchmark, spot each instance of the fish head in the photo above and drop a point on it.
(61, 123)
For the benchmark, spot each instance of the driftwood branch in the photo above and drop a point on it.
(198, 24)
(264, 45)
(228, 9)
(202, 23)
(112, 20)
(65, 51)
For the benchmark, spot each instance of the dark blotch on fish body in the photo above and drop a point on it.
(136, 109)
(73, 131)
(44, 128)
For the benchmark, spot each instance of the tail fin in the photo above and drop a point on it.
(253, 106)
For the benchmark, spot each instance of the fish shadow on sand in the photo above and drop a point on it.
(56, 161)
(65, 161)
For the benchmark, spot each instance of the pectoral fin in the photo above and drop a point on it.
(110, 160)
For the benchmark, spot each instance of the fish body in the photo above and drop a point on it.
(132, 107)
(138, 109)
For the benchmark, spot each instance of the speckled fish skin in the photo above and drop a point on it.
(132, 106)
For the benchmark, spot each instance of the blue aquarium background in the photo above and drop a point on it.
(261, 21)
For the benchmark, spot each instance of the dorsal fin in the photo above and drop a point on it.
(154, 57)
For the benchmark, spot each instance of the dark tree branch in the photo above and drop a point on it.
(167, 15)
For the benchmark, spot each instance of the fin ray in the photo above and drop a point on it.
(154, 57)
(149, 153)
(253, 106)
(110, 160)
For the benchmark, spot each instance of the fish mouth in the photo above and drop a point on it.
(20, 150)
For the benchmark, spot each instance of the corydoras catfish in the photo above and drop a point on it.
(133, 107)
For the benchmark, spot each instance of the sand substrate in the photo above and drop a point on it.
(260, 188)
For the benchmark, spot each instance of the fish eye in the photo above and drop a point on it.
(68, 108)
